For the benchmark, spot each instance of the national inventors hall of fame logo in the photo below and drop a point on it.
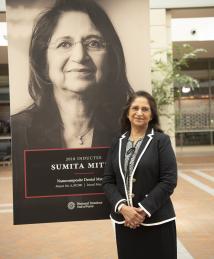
(84, 205)
(71, 205)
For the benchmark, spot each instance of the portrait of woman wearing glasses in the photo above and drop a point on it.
(77, 69)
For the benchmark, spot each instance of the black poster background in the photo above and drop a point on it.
(64, 172)
(41, 194)
(71, 178)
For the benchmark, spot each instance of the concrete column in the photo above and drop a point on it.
(160, 21)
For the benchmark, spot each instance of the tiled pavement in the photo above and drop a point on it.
(95, 239)
(194, 201)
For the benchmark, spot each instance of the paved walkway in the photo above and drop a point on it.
(193, 200)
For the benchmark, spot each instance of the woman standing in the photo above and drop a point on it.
(140, 176)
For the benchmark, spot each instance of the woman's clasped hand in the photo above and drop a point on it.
(134, 217)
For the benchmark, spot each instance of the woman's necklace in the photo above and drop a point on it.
(136, 138)
(82, 136)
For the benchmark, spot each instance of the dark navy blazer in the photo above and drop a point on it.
(153, 179)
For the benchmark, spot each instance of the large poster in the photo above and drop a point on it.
(68, 85)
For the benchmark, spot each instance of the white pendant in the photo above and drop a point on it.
(81, 140)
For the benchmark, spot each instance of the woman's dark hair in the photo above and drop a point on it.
(154, 123)
(40, 86)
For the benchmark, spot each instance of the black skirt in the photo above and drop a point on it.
(147, 242)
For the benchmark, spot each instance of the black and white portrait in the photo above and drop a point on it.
(77, 78)
(68, 75)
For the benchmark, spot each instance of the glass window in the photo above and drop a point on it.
(195, 107)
